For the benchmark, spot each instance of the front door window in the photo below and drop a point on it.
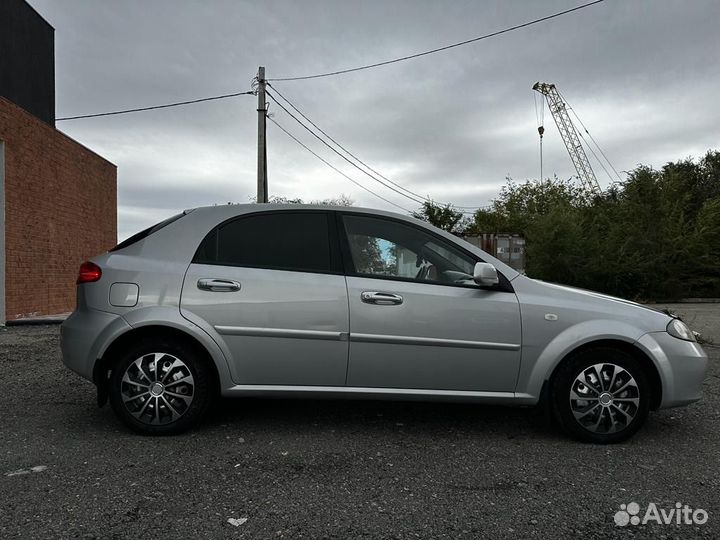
(380, 247)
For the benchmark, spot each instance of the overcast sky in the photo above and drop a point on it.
(643, 75)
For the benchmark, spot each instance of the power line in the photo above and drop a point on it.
(416, 201)
(333, 167)
(421, 201)
(440, 49)
(176, 104)
(414, 194)
(323, 141)
(342, 147)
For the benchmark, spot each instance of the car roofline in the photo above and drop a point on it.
(230, 211)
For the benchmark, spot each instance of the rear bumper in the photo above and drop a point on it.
(84, 337)
(682, 366)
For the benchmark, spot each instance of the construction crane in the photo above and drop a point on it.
(568, 132)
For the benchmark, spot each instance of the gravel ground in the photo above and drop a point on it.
(330, 469)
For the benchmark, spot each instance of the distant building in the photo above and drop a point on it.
(58, 199)
(509, 248)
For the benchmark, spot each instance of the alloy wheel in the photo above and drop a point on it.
(157, 388)
(604, 398)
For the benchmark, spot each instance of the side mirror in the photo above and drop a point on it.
(485, 274)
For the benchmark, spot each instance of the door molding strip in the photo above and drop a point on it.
(437, 342)
(254, 331)
(281, 333)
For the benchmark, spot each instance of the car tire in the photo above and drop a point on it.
(600, 395)
(160, 387)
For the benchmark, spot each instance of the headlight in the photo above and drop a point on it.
(679, 329)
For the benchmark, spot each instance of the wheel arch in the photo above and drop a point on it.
(650, 368)
(113, 352)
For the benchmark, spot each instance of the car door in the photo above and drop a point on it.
(417, 319)
(271, 286)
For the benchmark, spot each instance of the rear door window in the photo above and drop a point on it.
(300, 241)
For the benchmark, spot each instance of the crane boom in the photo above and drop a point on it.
(569, 135)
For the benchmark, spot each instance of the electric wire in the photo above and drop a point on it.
(298, 141)
(344, 149)
(439, 49)
(165, 106)
(323, 141)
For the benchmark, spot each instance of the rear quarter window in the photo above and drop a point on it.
(147, 232)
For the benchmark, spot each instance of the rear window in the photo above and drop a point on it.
(147, 232)
(283, 241)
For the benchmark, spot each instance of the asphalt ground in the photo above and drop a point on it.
(337, 469)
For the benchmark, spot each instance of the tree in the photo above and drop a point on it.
(445, 217)
(367, 255)
(655, 235)
(342, 200)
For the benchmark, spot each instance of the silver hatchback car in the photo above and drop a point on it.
(319, 301)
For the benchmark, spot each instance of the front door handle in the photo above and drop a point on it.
(381, 298)
(218, 285)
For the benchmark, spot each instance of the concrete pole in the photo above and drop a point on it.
(262, 187)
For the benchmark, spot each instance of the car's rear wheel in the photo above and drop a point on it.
(160, 387)
(601, 395)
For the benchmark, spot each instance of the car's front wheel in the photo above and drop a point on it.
(160, 387)
(600, 395)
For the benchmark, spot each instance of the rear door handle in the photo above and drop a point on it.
(381, 298)
(218, 285)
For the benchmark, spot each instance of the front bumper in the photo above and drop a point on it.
(682, 366)
(84, 336)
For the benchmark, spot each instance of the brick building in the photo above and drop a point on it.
(58, 199)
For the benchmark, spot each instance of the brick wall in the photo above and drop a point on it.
(60, 209)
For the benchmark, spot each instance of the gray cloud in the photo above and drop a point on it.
(643, 76)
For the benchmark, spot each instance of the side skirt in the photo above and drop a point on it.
(353, 392)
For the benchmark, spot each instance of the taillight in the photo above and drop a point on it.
(89, 272)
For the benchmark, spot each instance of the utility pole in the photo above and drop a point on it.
(262, 186)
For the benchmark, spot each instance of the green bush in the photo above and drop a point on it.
(654, 236)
